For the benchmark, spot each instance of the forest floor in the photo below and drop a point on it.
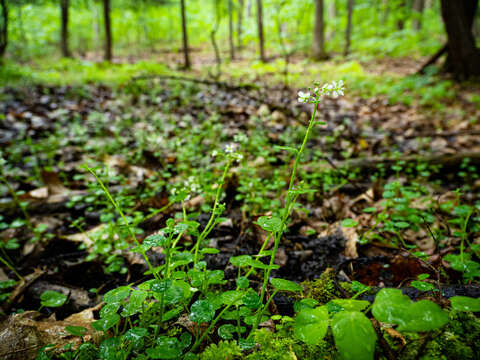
(395, 174)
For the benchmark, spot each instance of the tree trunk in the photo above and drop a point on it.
(463, 59)
(401, 13)
(476, 27)
(332, 14)
(348, 33)
(186, 54)
(64, 7)
(418, 7)
(386, 12)
(108, 30)
(241, 6)
(318, 48)
(261, 39)
(4, 28)
(230, 29)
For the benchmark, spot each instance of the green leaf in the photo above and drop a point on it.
(76, 330)
(304, 304)
(209, 251)
(107, 323)
(464, 303)
(160, 286)
(167, 348)
(135, 334)
(251, 300)
(135, 303)
(424, 315)
(226, 331)
(285, 285)
(242, 282)
(286, 148)
(348, 223)
(354, 335)
(351, 305)
(202, 311)
(241, 260)
(50, 298)
(273, 224)
(422, 285)
(116, 295)
(390, 306)
(232, 297)
(311, 325)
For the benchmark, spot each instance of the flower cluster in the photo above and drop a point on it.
(334, 89)
(231, 151)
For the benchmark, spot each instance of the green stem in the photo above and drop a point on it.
(130, 230)
(7, 264)
(210, 223)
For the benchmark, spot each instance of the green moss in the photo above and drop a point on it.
(284, 346)
(221, 351)
(322, 289)
(458, 340)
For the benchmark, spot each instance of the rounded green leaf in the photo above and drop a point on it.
(202, 311)
(423, 315)
(50, 298)
(390, 306)
(354, 335)
(272, 224)
(241, 260)
(251, 300)
(285, 285)
(351, 305)
(116, 295)
(311, 325)
(243, 282)
(161, 286)
(167, 348)
(464, 303)
(106, 323)
(226, 331)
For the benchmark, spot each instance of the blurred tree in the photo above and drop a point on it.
(241, 6)
(318, 49)
(332, 16)
(463, 57)
(3, 28)
(230, 29)
(186, 54)
(418, 7)
(64, 8)
(108, 30)
(348, 33)
(261, 39)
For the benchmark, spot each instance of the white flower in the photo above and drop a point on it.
(303, 97)
(230, 148)
(214, 153)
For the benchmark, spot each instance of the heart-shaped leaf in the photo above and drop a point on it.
(424, 315)
(311, 325)
(354, 335)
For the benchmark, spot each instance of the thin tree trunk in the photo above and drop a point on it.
(230, 29)
(332, 15)
(386, 12)
(418, 7)
(186, 54)
(241, 6)
(261, 39)
(108, 30)
(318, 48)
(476, 27)
(463, 58)
(64, 7)
(401, 19)
(4, 28)
(348, 33)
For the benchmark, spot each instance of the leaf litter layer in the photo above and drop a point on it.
(385, 226)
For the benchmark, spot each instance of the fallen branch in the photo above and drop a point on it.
(433, 59)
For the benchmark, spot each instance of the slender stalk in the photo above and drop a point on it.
(208, 228)
(130, 230)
